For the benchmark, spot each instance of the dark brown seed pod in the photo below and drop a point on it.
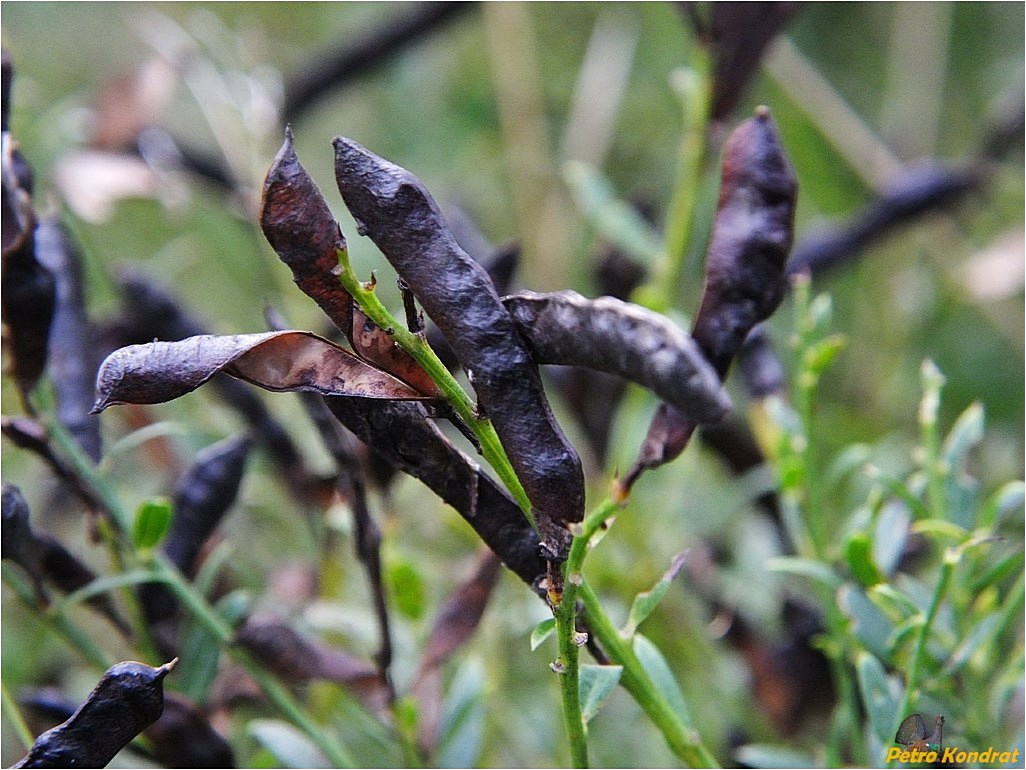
(202, 497)
(72, 363)
(128, 699)
(184, 737)
(29, 289)
(401, 433)
(393, 208)
(609, 335)
(745, 267)
(298, 224)
(150, 312)
(751, 238)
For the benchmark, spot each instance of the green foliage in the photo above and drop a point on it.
(906, 531)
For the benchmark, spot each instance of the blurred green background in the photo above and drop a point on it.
(479, 110)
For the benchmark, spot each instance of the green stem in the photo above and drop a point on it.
(454, 394)
(692, 85)
(282, 699)
(13, 714)
(682, 738)
(951, 557)
(569, 641)
(936, 472)
(57, 621)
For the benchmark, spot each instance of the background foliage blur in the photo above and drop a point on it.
(486, 111)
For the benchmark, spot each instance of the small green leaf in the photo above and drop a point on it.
(818, 357)
(1006, 499)
(152, 522)
(966, 433)
(980, 634)
(869, 623)
(647, 601)
(542, 631)
(659, 671)
(859, 553)
(880, 695)
(407, 588)
(596, 685)
(890, 535)
(288, 745)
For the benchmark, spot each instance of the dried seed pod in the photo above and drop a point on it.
(128, 699)
(298, 224)
(184, 737)
(745, 267)
(72, 365)
(760, 366)
(43, 557)
(401, 434)
(202, 497)
(156, 372)
(150, 313)
(621, 338)
(28, 298)
(751, 238)
(394, 209)
(739, 33)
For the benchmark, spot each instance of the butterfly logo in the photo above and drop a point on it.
(912, 734)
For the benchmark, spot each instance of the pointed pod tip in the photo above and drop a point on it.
(166, 669)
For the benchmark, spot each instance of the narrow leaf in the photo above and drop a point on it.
(658, 669)
(542, 631)
(647, 601)
(278, 361)
(288, 745)
(596, 685)
(152, 521)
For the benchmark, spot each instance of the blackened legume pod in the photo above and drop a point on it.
(610, 335)
(401, 434)
(751, 238)
(128, 699)
(393, 208)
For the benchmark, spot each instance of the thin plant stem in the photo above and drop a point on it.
(692, 85)
(454, 394)
(569, 640)
(682, 738)
(57, 621)
(14, 716)
(951, 557)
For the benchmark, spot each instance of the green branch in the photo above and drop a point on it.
(454, 394)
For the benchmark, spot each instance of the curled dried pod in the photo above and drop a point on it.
(394, 209)
(298, 224)
(621, 338)
(751, 238)
(745, 267)
(128, 698)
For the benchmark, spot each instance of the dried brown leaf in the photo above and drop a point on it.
(279, 361)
